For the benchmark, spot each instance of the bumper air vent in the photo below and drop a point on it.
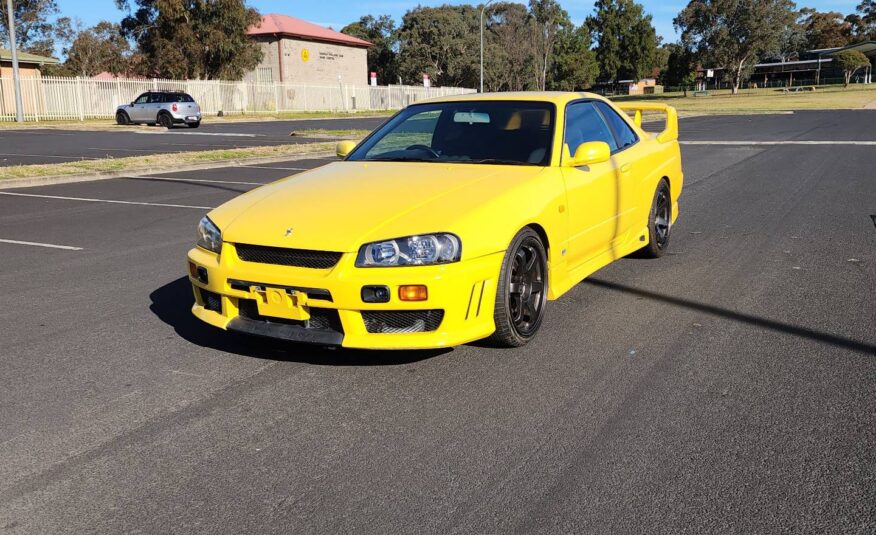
(402, 321)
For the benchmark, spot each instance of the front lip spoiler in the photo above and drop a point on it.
(292, 333)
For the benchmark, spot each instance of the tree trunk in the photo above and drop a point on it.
(737, 77)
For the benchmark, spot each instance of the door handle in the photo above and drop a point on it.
(625, 168)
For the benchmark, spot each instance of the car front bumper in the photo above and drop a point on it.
(459, 307)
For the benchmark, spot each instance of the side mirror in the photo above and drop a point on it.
(590, 153)
(132, 104)
(346, 147)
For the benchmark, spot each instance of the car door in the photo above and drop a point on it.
(156, 101)
(138, 108)
(632, 173)
(591, 190)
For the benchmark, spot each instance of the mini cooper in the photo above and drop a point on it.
(457, 220)
(166, 108)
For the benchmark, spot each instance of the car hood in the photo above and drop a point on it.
(343, 205)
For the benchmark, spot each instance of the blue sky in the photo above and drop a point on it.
(338, 13)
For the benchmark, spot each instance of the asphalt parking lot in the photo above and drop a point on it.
(729, 387)
(52, 145)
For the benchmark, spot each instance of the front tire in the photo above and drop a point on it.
(521, 295)
(659, 222)
(122, 119)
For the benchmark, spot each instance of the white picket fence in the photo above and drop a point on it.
(59, 98)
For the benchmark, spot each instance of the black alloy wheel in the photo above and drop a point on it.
(122, 118)
(659, 222)
(521, 295)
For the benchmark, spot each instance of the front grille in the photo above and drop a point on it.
(325, 319)
(212, 301)
(402, 321)
(288, 257)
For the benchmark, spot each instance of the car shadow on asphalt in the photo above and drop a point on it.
(188, 182)
(757, 321)
(172, 304)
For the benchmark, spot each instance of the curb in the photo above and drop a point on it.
(30, 182)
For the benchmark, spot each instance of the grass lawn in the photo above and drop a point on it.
(157, 162)
(721, 101)
(766, 100)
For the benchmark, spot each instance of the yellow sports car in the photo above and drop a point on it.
(456, 220)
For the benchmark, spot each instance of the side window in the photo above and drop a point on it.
(157, 98)
(585, 124)
(625, 134)
(142, 99)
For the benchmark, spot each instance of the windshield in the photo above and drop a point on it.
(501, 132)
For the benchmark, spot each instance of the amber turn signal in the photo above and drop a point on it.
(414, 292)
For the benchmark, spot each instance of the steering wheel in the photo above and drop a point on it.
(430, 150)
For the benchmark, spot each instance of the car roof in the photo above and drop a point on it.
(556, 97)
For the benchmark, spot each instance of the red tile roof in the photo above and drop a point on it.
(274, 24)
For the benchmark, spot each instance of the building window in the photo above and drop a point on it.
(265, 75)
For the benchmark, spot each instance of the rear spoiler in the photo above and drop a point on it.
(670, 131)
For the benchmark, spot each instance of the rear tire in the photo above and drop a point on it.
(521, 294)
(165, 120)
(659, 222)
(122, 119)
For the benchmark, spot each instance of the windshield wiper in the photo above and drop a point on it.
(397, 159)
(499, 161)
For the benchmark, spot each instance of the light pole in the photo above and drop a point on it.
(484, 8)
(16, 81)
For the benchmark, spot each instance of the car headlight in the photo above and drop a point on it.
(419, 250)
(209, 236)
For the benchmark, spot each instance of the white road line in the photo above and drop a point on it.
(47, 156)
(85, 199)
(50, 245)
(279, 168)
(225, 134)
(865, 143)
(44, 132)
(126, 150)
(194, 180)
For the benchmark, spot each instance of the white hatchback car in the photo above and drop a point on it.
(166, 108)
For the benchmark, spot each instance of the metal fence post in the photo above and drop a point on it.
(79, 102)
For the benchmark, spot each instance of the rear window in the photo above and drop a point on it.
(178, 97)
